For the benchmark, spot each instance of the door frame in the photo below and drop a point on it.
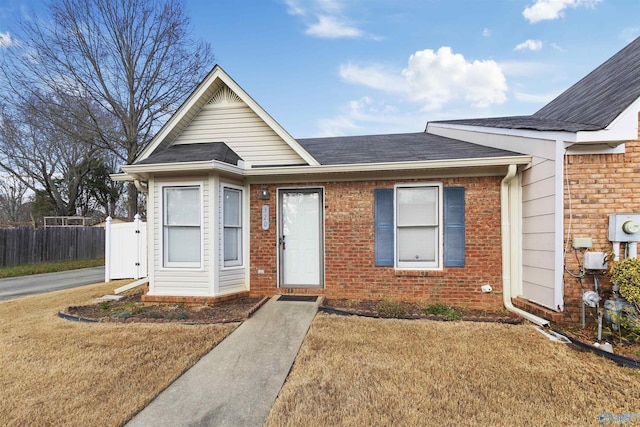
(279, 259)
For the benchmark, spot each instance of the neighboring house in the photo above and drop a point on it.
(237, 206)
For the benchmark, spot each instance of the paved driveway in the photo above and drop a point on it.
(16, 287)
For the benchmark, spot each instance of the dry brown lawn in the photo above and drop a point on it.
(57, 372)
(354, 371)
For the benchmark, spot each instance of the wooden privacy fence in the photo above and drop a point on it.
(28, 245)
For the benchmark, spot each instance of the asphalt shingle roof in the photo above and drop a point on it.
(193, 153)
(591, 104)
(402, 147)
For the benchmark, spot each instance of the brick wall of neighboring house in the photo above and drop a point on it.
(597, 185)
(350, 271)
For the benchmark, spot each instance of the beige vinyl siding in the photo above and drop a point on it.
(538, 232)
(243, 131)
(232, 280)
(179, 281)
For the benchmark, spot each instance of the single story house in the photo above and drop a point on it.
(474, 213)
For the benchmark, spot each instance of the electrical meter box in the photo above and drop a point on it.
(624, 227)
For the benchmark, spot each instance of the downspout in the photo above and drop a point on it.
(141, 188)
(506, 250)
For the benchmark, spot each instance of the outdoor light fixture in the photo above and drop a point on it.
(264, 193)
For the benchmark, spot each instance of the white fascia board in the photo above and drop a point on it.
(622, 128)
(121, 177)
(138, 171)
(523, 133)
(209, 165)
(396, 166)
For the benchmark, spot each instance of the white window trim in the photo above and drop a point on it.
(166, 265)
(241, 253)
(439, 247)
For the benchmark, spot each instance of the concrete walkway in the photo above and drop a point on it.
(238, 381)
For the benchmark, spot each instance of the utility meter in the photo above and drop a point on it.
(624, 227)
(630, 226)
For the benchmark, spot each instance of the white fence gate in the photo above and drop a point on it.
(125, 250)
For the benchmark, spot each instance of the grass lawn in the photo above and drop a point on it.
(48, 267)
(57, 372)
(354, 371)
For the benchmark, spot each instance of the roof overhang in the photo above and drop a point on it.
(455, 167)
(622, 129)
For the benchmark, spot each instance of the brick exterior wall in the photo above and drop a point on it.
(598, 185)
(350, 271)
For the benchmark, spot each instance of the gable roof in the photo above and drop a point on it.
(603, 94)
(211, 85)
(591, 104)
(193, 153)
(403, 147)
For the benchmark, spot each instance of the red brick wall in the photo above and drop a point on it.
(598, 185)
(350, 271)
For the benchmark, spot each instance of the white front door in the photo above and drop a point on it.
(301, 238)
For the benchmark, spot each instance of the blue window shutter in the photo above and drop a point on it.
(383, 218)
(454, 242)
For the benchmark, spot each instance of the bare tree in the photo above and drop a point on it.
(102, 190)
(47, 156)
(13, 206)
(135, 58)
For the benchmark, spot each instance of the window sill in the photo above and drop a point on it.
(419, 273)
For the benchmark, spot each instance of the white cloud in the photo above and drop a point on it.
(529, 45)
(326, 19)
(374, 76)
(524, 68)
(434, 79)
(6, 40)
(557, 47)
(293, 8)
(543, 10)
(331, 27)
(486, 33)
(537, 99)
(629, 34)
(368, 116)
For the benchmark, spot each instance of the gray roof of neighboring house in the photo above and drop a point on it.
(591, 104)
(402, 147)
(193, 153)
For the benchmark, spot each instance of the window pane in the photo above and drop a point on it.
(183, 244)
(232, 211)
(418, 206)
(417, 244)
(182, 206)
(231, 244)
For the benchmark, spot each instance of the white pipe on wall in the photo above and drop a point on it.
(616, 251)
(633, 249)
(505, 229)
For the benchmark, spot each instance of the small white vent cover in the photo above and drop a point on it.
(224, 96)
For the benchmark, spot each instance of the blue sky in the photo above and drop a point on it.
(351, 67)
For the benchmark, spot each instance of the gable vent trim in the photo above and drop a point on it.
(224, 96)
